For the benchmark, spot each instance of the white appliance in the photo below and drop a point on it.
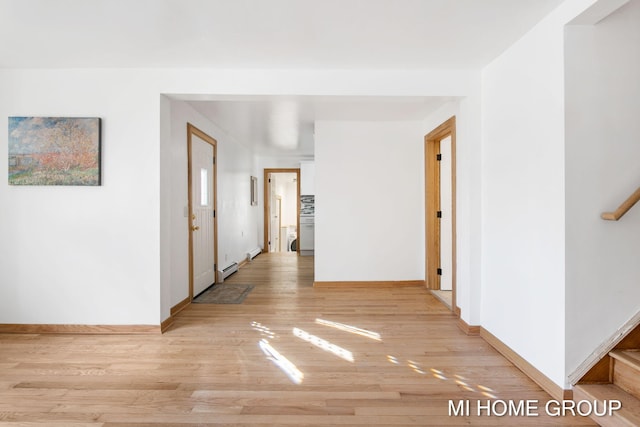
(291, 236)
(306, 235)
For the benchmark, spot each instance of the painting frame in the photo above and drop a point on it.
(254, 191)
(55, 151)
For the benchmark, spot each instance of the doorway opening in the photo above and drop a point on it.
(281, 210)
(440, 212)
(203, 225)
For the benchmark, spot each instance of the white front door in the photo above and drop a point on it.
(202, 214)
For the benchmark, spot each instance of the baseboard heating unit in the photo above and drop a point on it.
(227, 271)
(253, 253)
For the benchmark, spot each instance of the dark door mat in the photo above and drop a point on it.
(224, 294)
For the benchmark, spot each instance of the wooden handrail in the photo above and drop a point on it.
(623, 208)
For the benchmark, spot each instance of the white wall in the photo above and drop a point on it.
(237, 219)
(97, 255)
(84, 255)
(523, 197)
(602, 170)
(307, 178)
(369, 219)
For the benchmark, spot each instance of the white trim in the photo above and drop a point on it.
(604, 349)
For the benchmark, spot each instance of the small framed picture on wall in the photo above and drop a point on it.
(254, 191)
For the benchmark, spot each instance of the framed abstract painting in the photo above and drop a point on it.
(54, 151)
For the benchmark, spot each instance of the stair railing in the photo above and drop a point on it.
(623, 208)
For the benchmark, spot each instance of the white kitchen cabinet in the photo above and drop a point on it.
(307, 178)
(306, 236)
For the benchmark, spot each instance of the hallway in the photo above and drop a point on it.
(290, 354)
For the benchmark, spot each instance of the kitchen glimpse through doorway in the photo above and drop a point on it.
(281, 210)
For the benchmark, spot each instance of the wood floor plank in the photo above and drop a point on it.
(289, 355)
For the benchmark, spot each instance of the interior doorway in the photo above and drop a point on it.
(203, 229)
(281, 210)
(440, 212)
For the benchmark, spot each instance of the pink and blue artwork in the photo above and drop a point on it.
(54, 151)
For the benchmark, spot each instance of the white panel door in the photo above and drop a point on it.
(202, 218)
(446, 224)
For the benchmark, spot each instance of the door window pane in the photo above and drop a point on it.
(204, 187)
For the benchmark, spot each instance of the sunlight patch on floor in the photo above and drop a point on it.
(351, 329)
(285, 365)
(323, 344)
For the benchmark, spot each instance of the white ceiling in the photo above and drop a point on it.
(262, 33)
(285, 125)
(318, 34)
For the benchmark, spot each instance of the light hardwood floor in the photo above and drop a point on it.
(289, 355)
(445, 297)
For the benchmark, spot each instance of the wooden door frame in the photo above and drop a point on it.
(432, 206)
(192, 130)
(266, 204)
